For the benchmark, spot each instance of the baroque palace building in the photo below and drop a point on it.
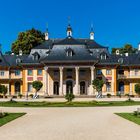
(70, 65)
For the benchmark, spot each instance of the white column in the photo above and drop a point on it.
(92, 78)
(46, 80)
(77, 80)
(112, 83)
(131, 92)
(61, 80)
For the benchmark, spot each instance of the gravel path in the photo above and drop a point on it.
(93, 123)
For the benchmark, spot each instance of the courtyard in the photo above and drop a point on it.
(87, 123)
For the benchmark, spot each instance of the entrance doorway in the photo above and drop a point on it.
(17, 87)
(56, 88)
(82, 88)
(69, 86)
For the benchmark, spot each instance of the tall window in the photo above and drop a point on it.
(39, 72)
(82, 72)
(69, 73)
(136, 71)
(56, 72)
(108, 72)
(30, 72)
(1, 73)
(108, 86)
(17, 72)
(99, 72)
(30, 87)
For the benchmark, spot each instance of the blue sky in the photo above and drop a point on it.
(116, 22)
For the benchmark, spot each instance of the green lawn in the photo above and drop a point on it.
(65, 104)
(130, 117)
(10, 117)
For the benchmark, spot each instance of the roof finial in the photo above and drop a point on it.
(69, 29)
(47, 26)
(91, 32)
(91, 26)
(47, 32)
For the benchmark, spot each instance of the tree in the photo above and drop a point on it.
(3, 89)
(137, 88)
(27, 40)
(128, 48)
(98, 84)
(69, 97)
(37, 85)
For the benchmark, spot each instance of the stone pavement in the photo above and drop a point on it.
(87, 123)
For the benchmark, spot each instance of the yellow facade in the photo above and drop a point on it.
(130, 77)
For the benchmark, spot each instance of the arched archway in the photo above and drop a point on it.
(69, 86)
(82, 88)
(56, 88)
(121, 86)
(17, 87)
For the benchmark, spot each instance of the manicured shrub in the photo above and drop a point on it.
(137, 89)
(108, 95)
(119, 94)
(20, 95)
(37, 85)
(69, 97)
(31, 95)
(14, 96)
(3, 90)
(3, 114)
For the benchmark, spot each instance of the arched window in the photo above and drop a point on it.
(18, 60)
(69, 86)
(121, 86)
(36, 56)
(56, 88)
(103, 56)
(82, 88)
(17, 87)
(69, 52)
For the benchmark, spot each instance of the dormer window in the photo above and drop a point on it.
(69, 52)
(36, 56)
(103, 56)
(18, 60)
(120, 60)
(47, 52)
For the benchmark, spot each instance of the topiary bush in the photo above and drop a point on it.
(3, 114)
(108, 95)
(69, 97)
(20, 95)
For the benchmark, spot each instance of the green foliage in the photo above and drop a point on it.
(69, 97)
(128, 48)
(27, 40)
(130, 117)
(136, 113)
(137, 88)
(20, 95)
(9, 117)
(37, 85)
(3, 89)
(31, 95)
(3, 114)
(108, 95)
(98, 84)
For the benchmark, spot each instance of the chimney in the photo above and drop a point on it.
(126, 54)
